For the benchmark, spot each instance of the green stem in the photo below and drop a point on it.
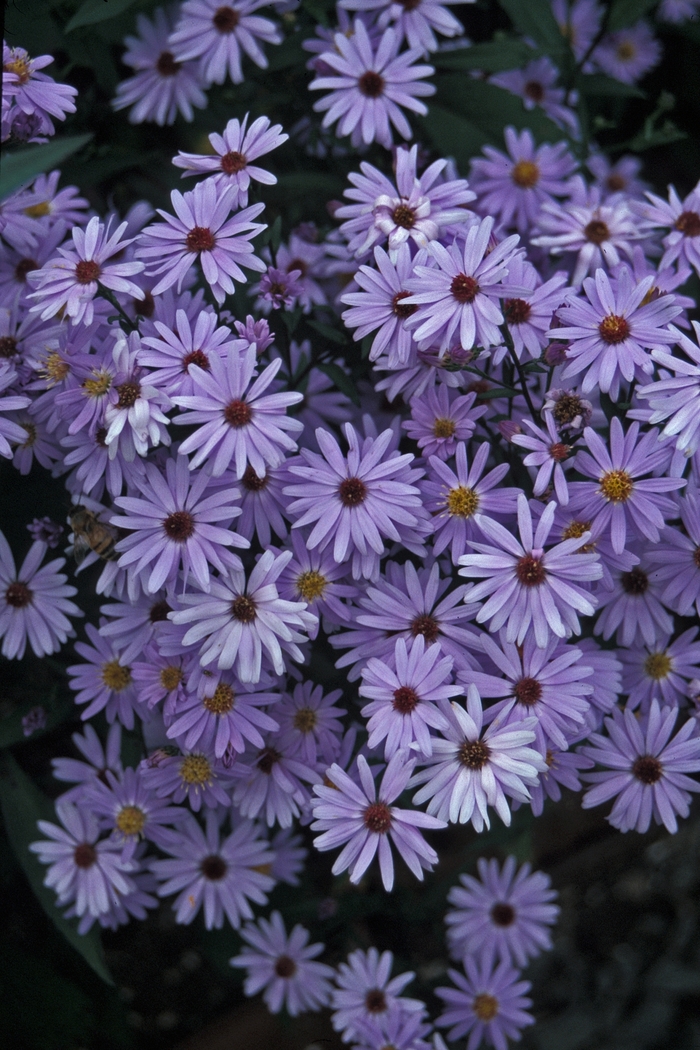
(106, 293)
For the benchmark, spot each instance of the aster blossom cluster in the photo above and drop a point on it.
(392, 524)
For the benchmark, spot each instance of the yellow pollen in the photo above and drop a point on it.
(657, 666)
(525, 174)
(305, 719)
(462, 502)
(626, 51)
(444, 428)
(20, 66)
(37, 211)
(485, 1006)
(616, 486)
(98, 386)
(262, 869)
(311, 585)
(576, 529)
(195, 769)
(131, 820)
(170, 678)
(650, 296)
(116, 677)
(54, 369)
(222, 701)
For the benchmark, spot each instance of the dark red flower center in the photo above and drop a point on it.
(8, 346)
(252, 482)
(474, 754)
(285, 967)
(267, 759)
(225, 19)
(166, 64)
(195, 357)
(567, 408)
(146, 306)
(427, 626)
(243, 609)
(534, 90)
(614, 329)
(233, 162)
(371, 84)
(84, 855)
(530, 571)
(516, 311)
(128, 394)
(647, 769)
(18, 595)
(527, 691)
(410, 5)
(398, 309)
(238, 414)
(615, 183)
(87, 271)
(213, 867)
(352, 492)
(464, 289)
(559, 451)
(405, 699)
(23, 267)
(404, 216)
(634, 582)
(159, 612)
(179, 526)
(596, 232)
(375, 1001)
(200, 239)
(688, 223)
(503, 914)
(377, 818)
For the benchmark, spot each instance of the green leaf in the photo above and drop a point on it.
(490, 108)
(493, 57)
(599, 84)
(328, 332)
(534, 18)
(662, 136)
(26, 164)
(93, 11)
(452, 135)
(341, 379)
(22, 805)
(306, 184)
(289, 53)
(627, 12)
(12, 732)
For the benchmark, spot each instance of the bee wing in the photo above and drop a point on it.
(81, 548)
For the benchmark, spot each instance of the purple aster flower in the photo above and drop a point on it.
(233, 153)
(470, 770)
(202, 227)
(236, 621)
(33, 93)
(176, 526)
(502, 916)
(129, 808)
(527, 586)
(136, 623)
(367, 992)
(414, 22)
(403, 1032)
(620, 177)
(488, 1003)
(222, 719)
(283, 965)
(309, 721)
(529, 315)
(676, 399)
(379, 305)
(675, 559)
(161, 678)
(309, 258)
(662, 668)
(440, 422)
(457, 298)
(677, 11)
(272, 782)
(218, 35)
(682, 219)
(263, 504)
(193, 776)
(169, 355)
(237, 423)
(104, 683)
(314, 577)
(355, 500)
(403, 690)
(363, 820)
(549, 454)
(535, 85)
(579, 22)
(290, 857)
(596, 230)
(609, 335)
(133, 416)
(419, 208)
(34, 603)
(553, 684)
(219, 874)
(632, 606)
(628, 54)
(646, 769)
(100, 760)
(71, 282)
(278, 288)
(9, 430)
(456, 499)
(620, 495)
(84, 870)
(368, 83)
(513, 188)
(161, 87)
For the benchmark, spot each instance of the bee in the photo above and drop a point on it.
(90, 534)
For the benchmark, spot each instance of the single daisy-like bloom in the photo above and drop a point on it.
(380, 305)
(632, 607)
(194, 776)
(100, 761)
(104, 682)
(621, 495)
(628, 54)
(363, 820)
(457, 297)
(160, 87)
(404, 691)
(369, 82)
(676, 558)
(238, 423)
(272, 782)
(440, 422)
(35, 94)
(646, 770)
(675, 400)
(503, 915)
(314, 577)
(133, 418)
(610, 336)
(664, 668)
(529, 314)
(131, 810)
(174, 524)
(367, 992)
(413, 207)
(471, 770)
(34, 603)
(231, 163)
(222, 719)
(222, 875)
(488, 1003)
(169, 355)
(549, 454)
(513, 188)
(399, 1030)
(283, 965)
(236, 621)
(71, 282)
(202, 228)
(527, 586)
(219, 33)
(682, 219)
(310, 722)
(579, 22)
(415, 21)
(535, 85)
(277, 288)
(89, 872)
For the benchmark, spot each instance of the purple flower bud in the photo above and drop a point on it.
(555, 354)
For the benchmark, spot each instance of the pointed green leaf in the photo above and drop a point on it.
(599, 84)
(492, 57)
(93, 11)
(341, 379)
(326, 330)
(22, 805)
(26, 164)
(534, 18)
(627, 12)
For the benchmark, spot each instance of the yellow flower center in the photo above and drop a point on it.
(305, 719)
(131, 820)
(116, 677)
(576, 529)
(525, 174)
(626, 51)
(657, 666)
(195, 769)
(485, 1006)
(54, 369)
(262, 869)
(37, 211)
(444, 428)
(462, 502)
(616, 485)
(98, 386)
(222, 701)
(170, 678)
(20, 66)
(311, 585)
